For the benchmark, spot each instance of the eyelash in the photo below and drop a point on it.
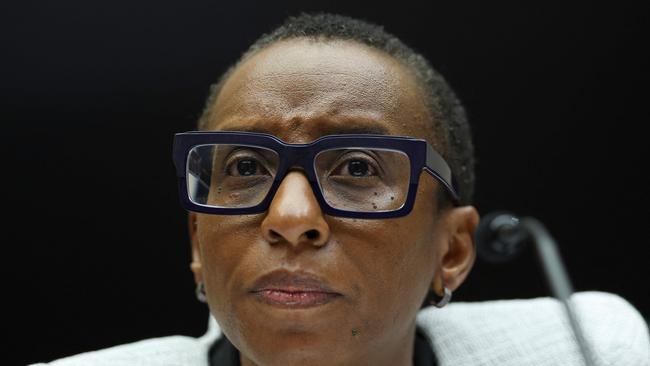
(372, 165)
(232, 162)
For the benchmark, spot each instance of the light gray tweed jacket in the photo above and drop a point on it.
(531, 332)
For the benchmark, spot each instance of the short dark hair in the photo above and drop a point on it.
(451, 129)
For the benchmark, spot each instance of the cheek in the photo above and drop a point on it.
(413, 252)
(395, 262)
(226, 248)
(407, 260)
(406, 248)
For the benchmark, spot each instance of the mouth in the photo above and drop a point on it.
(285, 289)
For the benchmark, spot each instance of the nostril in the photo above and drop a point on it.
(312, 234)
(274, 235)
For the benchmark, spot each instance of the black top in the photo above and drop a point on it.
(223, 353)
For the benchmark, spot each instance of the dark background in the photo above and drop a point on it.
(94, 240)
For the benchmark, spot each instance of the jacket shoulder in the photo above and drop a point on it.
(537, 332)
(172, 350)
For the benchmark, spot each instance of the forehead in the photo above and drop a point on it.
(302, 89)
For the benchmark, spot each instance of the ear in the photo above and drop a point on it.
(458, 250)
(195, 265)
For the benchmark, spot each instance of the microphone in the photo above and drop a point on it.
(501, 235)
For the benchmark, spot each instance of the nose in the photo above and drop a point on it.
(294, 215)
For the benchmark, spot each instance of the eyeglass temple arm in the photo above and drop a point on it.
(438, 167)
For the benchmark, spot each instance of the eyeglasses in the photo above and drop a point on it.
(360, 176)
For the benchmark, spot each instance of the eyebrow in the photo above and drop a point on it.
(347, 128)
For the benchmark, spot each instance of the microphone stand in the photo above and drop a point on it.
(557, 278)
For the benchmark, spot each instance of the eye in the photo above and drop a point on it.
(356, 165)
(358, 168)
(247, 167)
(245, 164)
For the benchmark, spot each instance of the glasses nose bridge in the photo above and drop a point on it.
(300, 156)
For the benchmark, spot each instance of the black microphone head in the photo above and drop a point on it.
(499, 238)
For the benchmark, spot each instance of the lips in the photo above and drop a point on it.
(293, 290)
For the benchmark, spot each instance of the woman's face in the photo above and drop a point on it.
(338, 290)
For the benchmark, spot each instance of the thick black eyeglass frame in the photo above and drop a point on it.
(421, 155)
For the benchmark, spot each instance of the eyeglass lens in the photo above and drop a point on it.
(351, 179)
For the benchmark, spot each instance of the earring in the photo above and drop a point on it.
(439, 301)
(200, 292)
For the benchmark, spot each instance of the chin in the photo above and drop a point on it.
(312, 336)
(300, 349)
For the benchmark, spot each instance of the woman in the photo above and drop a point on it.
(315, 234)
